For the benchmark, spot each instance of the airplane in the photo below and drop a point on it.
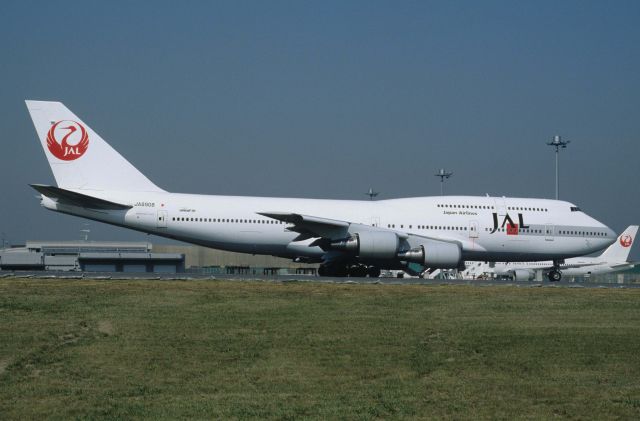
(346, 237)
(613, 259)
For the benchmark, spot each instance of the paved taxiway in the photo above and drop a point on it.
(306, 278)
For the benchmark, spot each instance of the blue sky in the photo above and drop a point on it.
(327, 99)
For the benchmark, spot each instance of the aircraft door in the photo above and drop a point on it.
(161, 220)
(375, 221)
(501, 209)
(549, 232)
(473, 229)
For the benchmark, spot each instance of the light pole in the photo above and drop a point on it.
(85, 231)
(443, 174)
(372, 194)
(558, 143)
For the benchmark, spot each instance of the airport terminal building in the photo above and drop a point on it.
(137, 257)
(90, 256)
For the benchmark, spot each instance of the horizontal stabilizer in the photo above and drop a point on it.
(622, 266)
(77, 199)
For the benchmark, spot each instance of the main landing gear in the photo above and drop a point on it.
(354, 271)
(337, 271)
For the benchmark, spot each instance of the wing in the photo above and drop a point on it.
(311, 226)
(334, 229)
(370, 243)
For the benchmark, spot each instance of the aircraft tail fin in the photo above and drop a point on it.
(619, 251)
(78, 156)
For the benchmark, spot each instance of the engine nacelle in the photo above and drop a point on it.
(371, 245)
(522, 274)
(435, 254)
(383, 245)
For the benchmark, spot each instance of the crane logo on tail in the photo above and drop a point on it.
(625, 240)
(67, 140)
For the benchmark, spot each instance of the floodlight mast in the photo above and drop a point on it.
(443, 174)
(85, 231)
(558, 143)
(372, 194)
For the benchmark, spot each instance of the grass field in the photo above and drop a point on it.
(209, 349)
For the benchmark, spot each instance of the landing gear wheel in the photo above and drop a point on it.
(358, 271)
(373, 272)
(555, 275)
(337, 271)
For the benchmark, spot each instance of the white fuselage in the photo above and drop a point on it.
(487, 228)
(94, 181)
(577, 266)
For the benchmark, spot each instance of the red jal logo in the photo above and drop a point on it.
(625, 240)
(74, 140)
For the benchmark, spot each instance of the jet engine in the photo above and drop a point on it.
(435, 254)
(382, 245)
(370, 245)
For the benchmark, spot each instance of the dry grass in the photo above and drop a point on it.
(208, 349)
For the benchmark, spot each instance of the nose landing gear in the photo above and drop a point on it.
(554, 274)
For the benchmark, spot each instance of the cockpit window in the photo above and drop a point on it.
(575, 209)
